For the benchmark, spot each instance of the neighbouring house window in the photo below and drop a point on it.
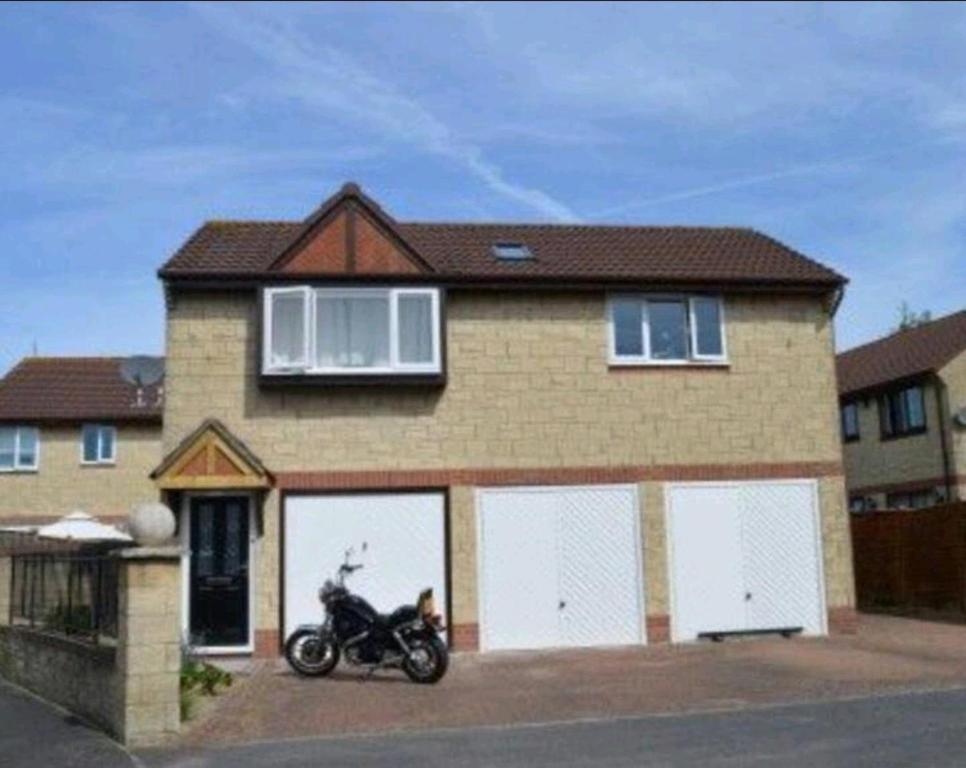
(902, 412)
(666, 329)
(352, 330)
(98, 444)
(19, 449)
(857, 504)
(911, 499)
(850, 422)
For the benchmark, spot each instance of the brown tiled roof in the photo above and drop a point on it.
(578, 253)
(45, 389)
(902, 355)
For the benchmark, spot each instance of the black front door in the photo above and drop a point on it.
(219, 571)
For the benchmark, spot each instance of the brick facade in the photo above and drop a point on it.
(62, 484)
(529, 398)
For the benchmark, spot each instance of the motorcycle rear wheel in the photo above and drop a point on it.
(311, 656)
(427, 660)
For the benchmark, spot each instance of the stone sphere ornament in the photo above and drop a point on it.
(151, 523)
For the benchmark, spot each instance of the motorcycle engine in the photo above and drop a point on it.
(369, 650)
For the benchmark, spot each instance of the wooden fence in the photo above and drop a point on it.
(911, 560)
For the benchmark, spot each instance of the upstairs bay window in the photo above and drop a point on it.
(666, 330)
(337, 331)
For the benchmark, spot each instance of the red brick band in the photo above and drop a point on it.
(843, 621)
(908, 485)
(658, 628)
(439, 478)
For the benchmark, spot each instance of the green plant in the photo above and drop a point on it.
(199, 678)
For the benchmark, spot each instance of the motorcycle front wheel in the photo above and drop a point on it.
(311, 655)
(427, 660)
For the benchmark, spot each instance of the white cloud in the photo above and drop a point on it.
(324, 79)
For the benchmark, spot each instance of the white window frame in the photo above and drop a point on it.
(395, 367)
(99, 461)
(308, 318)
(17, 466)
(645, 359)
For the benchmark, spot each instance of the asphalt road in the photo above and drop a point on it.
(33, 733)
(923, 729)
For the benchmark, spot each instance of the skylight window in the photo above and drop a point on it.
(512, 252)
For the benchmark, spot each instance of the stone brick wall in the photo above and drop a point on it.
(131, 688)
(528, 388)
(62, 484)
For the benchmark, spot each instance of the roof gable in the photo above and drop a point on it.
(349, 234)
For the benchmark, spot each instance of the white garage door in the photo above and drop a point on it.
(560, 566)
(744, 557)
(398, 538)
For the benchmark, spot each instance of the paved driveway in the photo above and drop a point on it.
(887, 656)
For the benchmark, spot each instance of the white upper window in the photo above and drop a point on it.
(19, 449)
(666, 330)
(98, 444)
(351, 330)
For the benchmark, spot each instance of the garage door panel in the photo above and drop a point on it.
(744, 556)
(519, 570)
(398, 538)
(560, 566)
(707, 579)
(599, 540)
(781, 563)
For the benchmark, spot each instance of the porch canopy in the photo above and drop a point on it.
(211, 458)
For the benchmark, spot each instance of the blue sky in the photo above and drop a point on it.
(840, 129)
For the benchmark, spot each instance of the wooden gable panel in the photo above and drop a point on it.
(210, 461)
(326, 251)
(376, 253)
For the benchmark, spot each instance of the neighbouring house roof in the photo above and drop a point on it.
(902, 355)
(51, 389)
(463, 252)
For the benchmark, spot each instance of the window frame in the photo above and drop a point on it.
(848, 437)
(396, 368)
(887, 425)
(693, 358)
(99, 461)
(17, 466)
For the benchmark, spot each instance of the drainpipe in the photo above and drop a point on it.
(942, 405)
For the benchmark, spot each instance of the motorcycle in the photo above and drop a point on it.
(408, 638)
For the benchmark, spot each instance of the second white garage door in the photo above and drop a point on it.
(744, 557)
(560, 566)
(399, 539)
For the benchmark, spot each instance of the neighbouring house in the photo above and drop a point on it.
(75, 435)
(903, 417)
(578, 435)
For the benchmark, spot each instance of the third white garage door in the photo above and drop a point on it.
(560, 566)
(744, 557)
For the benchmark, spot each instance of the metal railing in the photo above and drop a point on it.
(69, 594)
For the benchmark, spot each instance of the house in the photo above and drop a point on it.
(903, 421)
(577, 435)
(75, 435)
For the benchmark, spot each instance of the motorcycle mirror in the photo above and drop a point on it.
(348, 554)
(365, 546)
